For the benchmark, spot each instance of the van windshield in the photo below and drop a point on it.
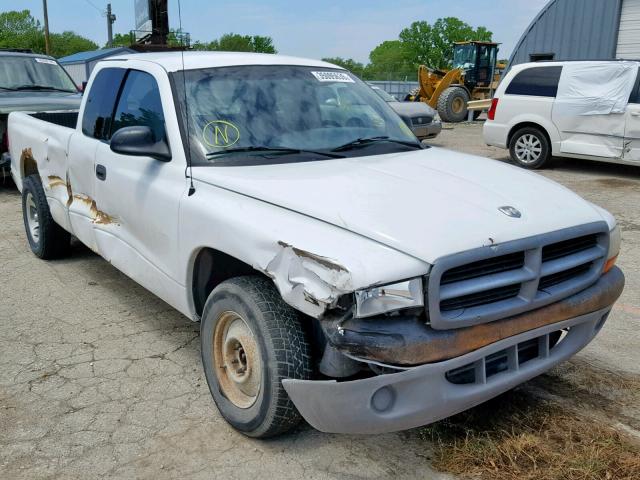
(267, 111)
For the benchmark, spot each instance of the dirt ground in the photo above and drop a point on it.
(99, 378)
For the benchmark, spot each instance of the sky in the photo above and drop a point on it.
(326, 28)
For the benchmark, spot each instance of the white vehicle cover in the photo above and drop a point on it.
(590, 105)
(596, 88)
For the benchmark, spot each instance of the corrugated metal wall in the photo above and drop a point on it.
(629, 35)
(77, 71)
(571, 30)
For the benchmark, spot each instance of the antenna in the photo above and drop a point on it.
(192, 188)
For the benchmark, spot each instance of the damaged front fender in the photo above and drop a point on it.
(308, 282)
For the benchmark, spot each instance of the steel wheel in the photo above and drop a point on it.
(237, 360)
(457, 105)
(32, 218)
(528, 148)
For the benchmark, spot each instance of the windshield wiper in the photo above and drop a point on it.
(360, 142)
(275, 150)
(42, 87)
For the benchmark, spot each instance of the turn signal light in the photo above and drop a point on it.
(610, 263)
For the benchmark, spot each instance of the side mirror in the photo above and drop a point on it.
(140, 141)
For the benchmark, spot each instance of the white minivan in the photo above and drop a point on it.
(578, 109)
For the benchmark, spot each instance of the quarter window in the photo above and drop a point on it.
(140, 105)
(536, 81)
(98, 110)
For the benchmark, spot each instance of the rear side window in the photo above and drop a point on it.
(536, 81)
(98, 110)
(139, 104)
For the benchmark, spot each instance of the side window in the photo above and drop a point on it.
(98, 110)
(536, 81)
(140, 104)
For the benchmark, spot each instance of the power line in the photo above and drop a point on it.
(89, 2)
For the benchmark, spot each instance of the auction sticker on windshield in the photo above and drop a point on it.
(45, 60)
(333, 77)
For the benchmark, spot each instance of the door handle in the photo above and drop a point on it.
(101, 172)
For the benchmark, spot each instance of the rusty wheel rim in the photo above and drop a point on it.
(458, 105)
(236, 358)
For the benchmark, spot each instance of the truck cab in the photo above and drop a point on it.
(342, 272)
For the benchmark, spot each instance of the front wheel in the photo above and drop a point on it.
(251, 340)
(529, 148)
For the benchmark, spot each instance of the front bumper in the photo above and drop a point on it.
(430, 130)
(420, 395)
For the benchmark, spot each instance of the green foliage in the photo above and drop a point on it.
(431, 45)
(348, 63)
(122, 40)
(233, 42)
(391, 60)
(67, 43)
(21, 30)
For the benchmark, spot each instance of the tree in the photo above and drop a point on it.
(122, 40)
(234, 42)
(21, 30)
(67, 43)
(391, 60)
(348, 63)
(432, 44)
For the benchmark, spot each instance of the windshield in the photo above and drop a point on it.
(25, 72)
(253, 110)
(387, 97)
(464, 56)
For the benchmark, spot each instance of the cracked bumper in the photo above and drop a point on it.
(421, 395)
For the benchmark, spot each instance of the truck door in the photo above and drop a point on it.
(138, 197)
(632, 126)
(95, 125)
(587, 111)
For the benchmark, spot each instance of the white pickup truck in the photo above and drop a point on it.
(341, 270)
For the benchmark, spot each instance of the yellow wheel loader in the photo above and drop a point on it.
(474, 76)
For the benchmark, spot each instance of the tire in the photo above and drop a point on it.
(246, 324)
(529, 148)
(452, 104)
(46, 238)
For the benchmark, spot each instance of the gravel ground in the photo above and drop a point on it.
(99, 378)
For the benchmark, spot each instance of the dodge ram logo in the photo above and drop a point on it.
(510, 211)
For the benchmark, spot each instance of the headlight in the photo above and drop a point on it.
(615, 238)
(386, 298)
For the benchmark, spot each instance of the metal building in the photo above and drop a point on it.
(581, 30)
(80, 65)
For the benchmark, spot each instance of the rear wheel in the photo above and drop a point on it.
(452, 104)
(46, 238)
(529, 148)
(251, 341)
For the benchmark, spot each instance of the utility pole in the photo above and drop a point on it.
(47, 46)
(110, 19)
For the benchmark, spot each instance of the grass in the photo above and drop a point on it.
(519, 436)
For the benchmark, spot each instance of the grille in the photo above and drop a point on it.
(496, 282)
(509, 359)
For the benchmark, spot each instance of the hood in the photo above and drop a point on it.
(426, 203)
(413, 109)
(38, 101)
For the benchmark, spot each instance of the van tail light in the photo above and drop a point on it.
(492, 111)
